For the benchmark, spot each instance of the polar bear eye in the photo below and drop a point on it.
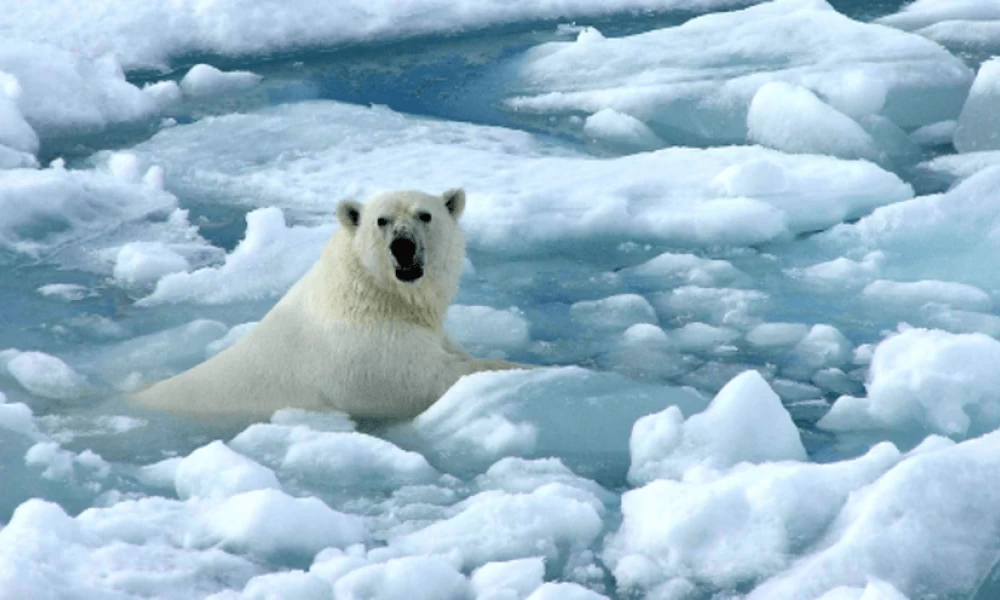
(382, 221)
(425, 217)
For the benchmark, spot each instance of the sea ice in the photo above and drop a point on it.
(746, 422)
(44, 375)
(148, 35)
(215, 471)
(924, 525)
(270, 258)
(145, 262)
(931, 380)
(64, 93)
(792, 119)
(979, 123)
(731, 528)
(526, 192)
(205, 80)
(488, 416)
(694, 82)
(480, 327)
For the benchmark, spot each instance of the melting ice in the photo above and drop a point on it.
(751, 242)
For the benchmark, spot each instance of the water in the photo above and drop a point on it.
(456, 78)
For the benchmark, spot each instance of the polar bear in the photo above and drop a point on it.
(362, 332)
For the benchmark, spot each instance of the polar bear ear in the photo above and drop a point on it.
(454, 201)
(349, 214)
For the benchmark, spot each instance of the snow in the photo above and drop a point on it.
(150, 34)
(979, 120)
(695, 82)
(960, 25)
(791, 118)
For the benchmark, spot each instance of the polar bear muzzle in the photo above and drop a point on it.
(409, 258)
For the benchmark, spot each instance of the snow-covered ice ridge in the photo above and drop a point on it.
(752, 251)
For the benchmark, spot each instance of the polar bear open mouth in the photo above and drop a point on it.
(409, 274)
(408, 256)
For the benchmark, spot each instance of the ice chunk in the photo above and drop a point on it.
(44, 375)
(276, 586)
(929, 379)
(935, 134)
(725, 306)
(925, 525)
(621, 131)
(69, 292)
(488, 416)
(746, 422)
(694, 83)
(979, 124)
(670, 269)
(951, 168)
(215, 471)
(613, 313)
(334, 458)
(699, 336)
(18, 418)
(554, 521)
(479, 328)
(565, 591)
(269, 259)
(922, 13)
(145, 262)
(777, 335)
(271, 523)
(15, 132)
(205, 80)
(64, 93)
(148, 35)
(416, 577)
(939, 236)
(918, 293)
(792, 119)
(511, 579)
(875, 590)
(530, 193)
(43, 211)
(234, 335)
(833, 275)
(823, 347)
(731, 529)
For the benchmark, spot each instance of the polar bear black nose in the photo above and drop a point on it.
(403, 250)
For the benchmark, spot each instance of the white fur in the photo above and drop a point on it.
(349, 335)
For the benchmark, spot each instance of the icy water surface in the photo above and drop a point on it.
(712, 229)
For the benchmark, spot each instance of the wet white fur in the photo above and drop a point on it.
(348, 336)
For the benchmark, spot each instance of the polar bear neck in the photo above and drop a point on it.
(347, 292)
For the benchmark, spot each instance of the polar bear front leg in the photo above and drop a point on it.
(478, 366)
(470, 365)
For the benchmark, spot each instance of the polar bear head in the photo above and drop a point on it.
(408, 239)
